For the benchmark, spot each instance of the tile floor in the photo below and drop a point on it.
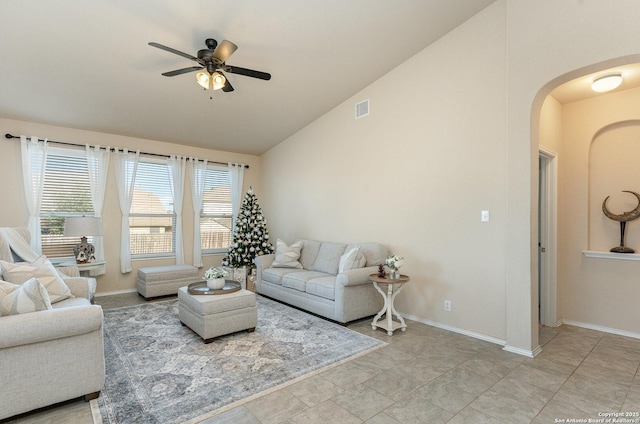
(428, 376)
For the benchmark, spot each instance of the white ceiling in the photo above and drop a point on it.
(86, 63)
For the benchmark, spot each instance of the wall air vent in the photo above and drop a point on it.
(362, 108)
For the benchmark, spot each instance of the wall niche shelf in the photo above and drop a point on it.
(611, 255)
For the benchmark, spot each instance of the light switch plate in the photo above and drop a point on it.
(484, 216)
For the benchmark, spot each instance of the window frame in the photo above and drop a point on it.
(69, 242)
(152, 255)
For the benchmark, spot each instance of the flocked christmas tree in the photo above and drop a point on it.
(250, 237)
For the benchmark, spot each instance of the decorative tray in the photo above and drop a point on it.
(201, 288)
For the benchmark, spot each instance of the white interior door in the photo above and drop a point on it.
(547, 245)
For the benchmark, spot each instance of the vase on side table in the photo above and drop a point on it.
(215, 283)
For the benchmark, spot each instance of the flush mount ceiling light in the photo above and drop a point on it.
(606, 83)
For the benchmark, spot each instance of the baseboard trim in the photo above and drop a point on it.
(447, 327)
(111, 293)
(523, 352)
(601, 328)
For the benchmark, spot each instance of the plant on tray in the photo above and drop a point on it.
(215, 277)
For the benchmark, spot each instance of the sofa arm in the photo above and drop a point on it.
(355, 277)
(81, 286)
(262, 262)
(41, 326)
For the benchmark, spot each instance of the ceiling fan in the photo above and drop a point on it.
(211, 62)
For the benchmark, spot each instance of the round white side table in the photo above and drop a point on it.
(389, 296)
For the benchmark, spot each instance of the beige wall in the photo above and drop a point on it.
(551, 126)
(414, 175)
(16, 214)
(600, 150)
(452, 131)
(549, 43)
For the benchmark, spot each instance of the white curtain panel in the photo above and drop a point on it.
(126, 165)
(197, 174)
(177, 169)
(236, 170)
(98, 166)
(34, 161)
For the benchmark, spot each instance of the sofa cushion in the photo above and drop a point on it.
(353, 259)
(323, 287)
(274, 275)
(43, 270)
(298, 280)
(16, 299)
(309, 252)
(374, 253)
(287, 256)
(328, 258)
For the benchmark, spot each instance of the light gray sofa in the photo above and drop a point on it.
(51, 356)
(318, 287)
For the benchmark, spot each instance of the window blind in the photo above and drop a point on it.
(152, 216)
(66, 193)
(216, 213)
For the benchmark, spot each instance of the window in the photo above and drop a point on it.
(152, 216)
(66, 193)
(216, 214)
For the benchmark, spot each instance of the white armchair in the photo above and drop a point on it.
(53, 355)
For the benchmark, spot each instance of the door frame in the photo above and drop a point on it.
(547, 218)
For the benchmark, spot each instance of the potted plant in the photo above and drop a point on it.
(215, 277)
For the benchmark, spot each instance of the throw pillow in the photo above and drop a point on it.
(31, 296)
(287, 256)
(353, 259)
(43, 270)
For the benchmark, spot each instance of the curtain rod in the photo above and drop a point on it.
(66, 143)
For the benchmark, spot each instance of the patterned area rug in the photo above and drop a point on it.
(159, 371)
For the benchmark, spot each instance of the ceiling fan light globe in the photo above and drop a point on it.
(218, 80)
(203, 79)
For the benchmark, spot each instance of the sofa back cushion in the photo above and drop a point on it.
(309, 252)
(328, 258)
(374, 253)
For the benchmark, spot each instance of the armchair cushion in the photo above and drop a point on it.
(15, 299)
(41, 269)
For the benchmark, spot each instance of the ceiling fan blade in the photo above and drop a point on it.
(174, 51)
(224, 50)
(227, 87)
(248, 72)
(182, 71)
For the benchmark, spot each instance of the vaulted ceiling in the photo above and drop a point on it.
(87, 64)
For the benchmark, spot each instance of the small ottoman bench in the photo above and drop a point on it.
(216, 315)
(157, 281)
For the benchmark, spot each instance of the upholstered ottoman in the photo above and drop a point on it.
(216, 315)
(157, 281)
